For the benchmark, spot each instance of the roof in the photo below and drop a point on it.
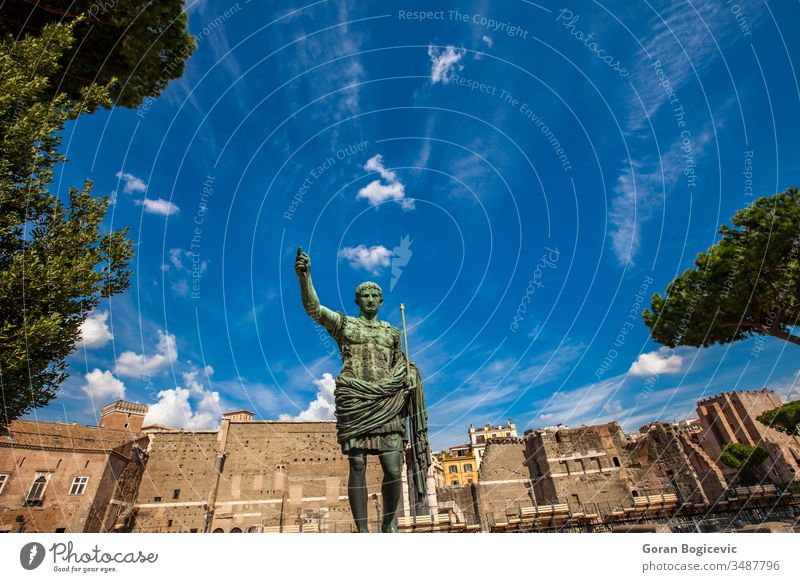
(59, 435)
(158, 427)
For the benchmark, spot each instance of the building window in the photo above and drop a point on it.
(176, 493)
(36, 492)
(169, 523)
(453, 469)
(219, 530)
(480, 439)
(454, 482)
(508, 434)
(156, 499)
(615, 460)
(61, 529)
(3, 479)
(78, 486)
(468, 467)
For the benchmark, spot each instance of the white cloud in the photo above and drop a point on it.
(488, 40)
(94, 331)
(131, 183)
(174, 406)
(654, 363)
(323, 406)
(371, 259)
(443, 63)
(103, 387)
(176, 257)
(376, 191)
(132, 365)
(159, 206)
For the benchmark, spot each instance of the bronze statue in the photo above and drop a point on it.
(377, 394)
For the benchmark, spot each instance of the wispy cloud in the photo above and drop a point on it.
(683, 47)
(444, 63)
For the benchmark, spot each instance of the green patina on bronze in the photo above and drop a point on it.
(377, 395)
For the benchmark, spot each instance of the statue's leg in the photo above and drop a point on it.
(392, 488)
(357, 490)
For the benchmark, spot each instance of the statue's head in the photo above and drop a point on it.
(369, 298)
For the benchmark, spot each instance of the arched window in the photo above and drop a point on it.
(615, 460)
(219, 530)
(236, 530)
(36, 492)
(634, 493)
(253, 529)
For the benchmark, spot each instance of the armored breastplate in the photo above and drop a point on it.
(368, 350)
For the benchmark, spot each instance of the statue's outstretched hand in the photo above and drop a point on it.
(302, 264)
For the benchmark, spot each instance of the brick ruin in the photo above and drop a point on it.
(289, 476)
(249, 476)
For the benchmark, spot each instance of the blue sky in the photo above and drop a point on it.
(529, 172)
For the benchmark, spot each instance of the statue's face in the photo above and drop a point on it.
(369, 301)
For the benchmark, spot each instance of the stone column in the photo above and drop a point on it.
(406, 510)
(430, 484)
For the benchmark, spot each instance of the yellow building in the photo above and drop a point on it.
(460, 466)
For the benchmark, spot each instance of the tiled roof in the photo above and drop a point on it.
(58, 435)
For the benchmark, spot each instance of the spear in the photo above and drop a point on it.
(405, 336)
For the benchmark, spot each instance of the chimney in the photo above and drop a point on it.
(123, 415)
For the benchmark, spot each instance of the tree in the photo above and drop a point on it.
(747, 284)
(745, 459)
(785, 418)
(133, 47)
(55, 262)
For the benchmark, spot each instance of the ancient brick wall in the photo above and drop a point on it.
(273, 472)
(732, 417)
(459, 499)
(586, 467)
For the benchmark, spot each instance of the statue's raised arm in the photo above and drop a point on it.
(319, 313)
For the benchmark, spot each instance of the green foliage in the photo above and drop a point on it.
(747, 283)
(785, 418)
(55, 261)
(133, 47)
(745, 459)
